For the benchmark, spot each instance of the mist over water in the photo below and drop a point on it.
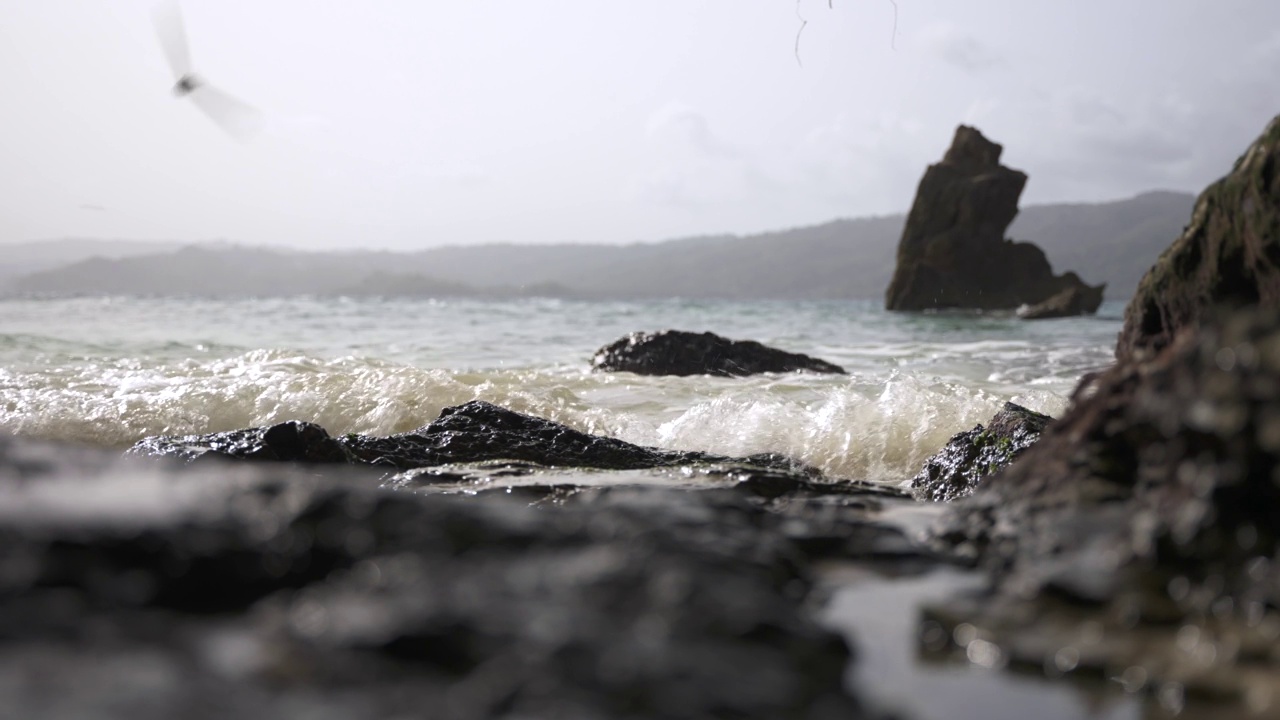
(110, 371)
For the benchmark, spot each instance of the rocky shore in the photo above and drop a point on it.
(494, 564)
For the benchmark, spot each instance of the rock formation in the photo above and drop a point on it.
(473, 432)
(955, 470)
(675, 352)
(1228, 256)
(1071, 302)
(953, 253)
(1149, 508)
(259, 590)
(1150, 505)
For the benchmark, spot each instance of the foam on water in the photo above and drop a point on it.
(856, 427)
(110, 374)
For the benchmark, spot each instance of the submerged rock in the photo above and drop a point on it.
(293, 441)
(474, 432)
(675, 352)
(953, 253)
(1228, 256)
(970, 456)
(1073, 301)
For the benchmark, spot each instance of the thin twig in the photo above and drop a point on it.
(803, 22)
(893, 39)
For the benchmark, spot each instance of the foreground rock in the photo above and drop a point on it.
(953, 253)
(970, 456)
(1141, 529)
(1137, 539)
(474, 432)
(214, 589)
(1228, 256)
(674, 352)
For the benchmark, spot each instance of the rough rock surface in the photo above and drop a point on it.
(953, 253)
(675, 352)
(1073, 301)
(1228, 256)
(1152, 505)
(955, 470)
(1137, 540)
(476, 431)
(161, 590)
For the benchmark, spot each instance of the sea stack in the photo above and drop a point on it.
(953, 252)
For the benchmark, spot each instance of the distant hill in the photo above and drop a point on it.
(17, 259)
(1112, 242)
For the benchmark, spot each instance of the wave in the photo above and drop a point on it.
(877, 427)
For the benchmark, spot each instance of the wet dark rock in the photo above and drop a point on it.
(1136, 540)
(1228, 256)
(1149, 510)
(293, 441)
(675, 352)
(953, 253)
(158, 590)
(1189, 440)
(1074, 301)
(474, 432)
(970, 456)
(479, 431)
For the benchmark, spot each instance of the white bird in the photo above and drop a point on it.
(237, 118)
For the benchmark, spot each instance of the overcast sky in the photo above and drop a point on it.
(416, 123)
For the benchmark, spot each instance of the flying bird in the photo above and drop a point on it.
(235, 117)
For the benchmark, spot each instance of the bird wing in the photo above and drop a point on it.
(238, 118)
(167, 17)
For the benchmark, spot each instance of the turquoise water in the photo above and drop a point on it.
(108, 371)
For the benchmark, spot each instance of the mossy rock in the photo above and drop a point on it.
(970, 456)
(1228, 255)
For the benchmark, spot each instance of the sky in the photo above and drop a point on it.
(407, 124)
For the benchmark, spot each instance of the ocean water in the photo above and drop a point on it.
(109, 371)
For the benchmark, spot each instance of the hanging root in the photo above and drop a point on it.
(893, 39)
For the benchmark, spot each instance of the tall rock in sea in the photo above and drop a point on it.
(953, 253)
(1227, 257)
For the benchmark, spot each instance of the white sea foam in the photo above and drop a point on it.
(109, 374)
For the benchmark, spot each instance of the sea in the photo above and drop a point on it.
(109, 371)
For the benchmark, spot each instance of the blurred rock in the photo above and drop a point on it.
(1148, 510)
(1137, 538)
(159, 590)
(1073, 301)
(1228, 256)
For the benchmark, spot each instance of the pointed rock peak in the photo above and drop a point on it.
(954, 252)
(970, 147)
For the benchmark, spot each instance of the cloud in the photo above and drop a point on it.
(872, 163)
(959, 48)
(842, 167)
(1078, 143)
(689, 167)
(677, 124)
